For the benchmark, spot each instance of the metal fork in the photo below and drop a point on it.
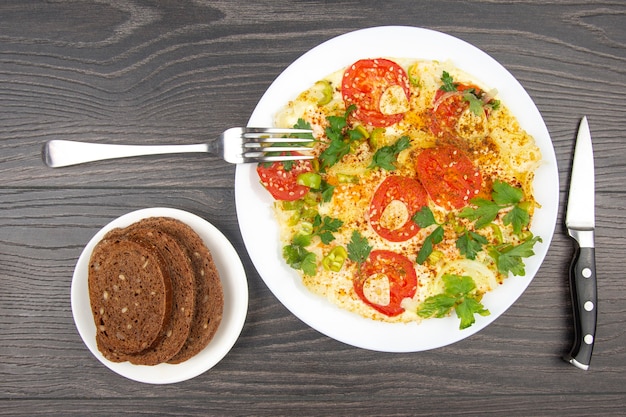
(237, 145)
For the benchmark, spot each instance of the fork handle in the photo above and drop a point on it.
(61, 153)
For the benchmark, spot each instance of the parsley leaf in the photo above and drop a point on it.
(448, 83)
(386, 156)
(505, 194)
(494, 104)
(424, 217)
(302, 124)
(298, 257)
(459, 293)
(336, 150)
(466, 309)
(340, 139)
(436, 306)
(327, 191)
(470, 243)
(358, 248)
(475, 103)
(517, 218)
(484, 213)
(325, 226)
(427, 247)
(508, 257)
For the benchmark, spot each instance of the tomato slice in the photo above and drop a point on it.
(399, 272)
(447, 109)
(365, 82)
(401, 189)
(282, 182)
(449, 176)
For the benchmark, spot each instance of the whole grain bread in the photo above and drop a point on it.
(130, 293)
(194, 304)
(209, 296)
(174, 335)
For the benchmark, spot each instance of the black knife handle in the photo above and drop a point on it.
(585, 306)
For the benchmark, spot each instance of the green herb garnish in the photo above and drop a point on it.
(298, 257)
(504, 196)
(470, 243)
(324, 226)
(459, 294)
(448, 83)
(358, 248)
(508, 257)
(340, 139)
(425, 218)
(386, 156)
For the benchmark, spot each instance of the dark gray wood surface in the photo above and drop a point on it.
(181, 71)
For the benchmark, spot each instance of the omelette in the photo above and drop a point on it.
(419, 198)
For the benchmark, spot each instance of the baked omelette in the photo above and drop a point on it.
(419, 199)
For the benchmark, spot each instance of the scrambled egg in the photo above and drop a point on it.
(495, 143)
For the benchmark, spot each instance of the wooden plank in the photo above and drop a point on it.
(41, 347)
(181, 72)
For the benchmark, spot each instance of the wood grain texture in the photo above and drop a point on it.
(134, 71)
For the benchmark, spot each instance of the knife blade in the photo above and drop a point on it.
(580, 223)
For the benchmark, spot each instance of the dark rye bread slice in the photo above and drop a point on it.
(183, 289)
(209, 297)
(124, 277)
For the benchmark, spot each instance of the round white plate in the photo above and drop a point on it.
(260, 231)
(234, 283)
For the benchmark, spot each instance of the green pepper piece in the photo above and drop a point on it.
(413, 78)
(293, 205)
(347, 179)
(335, 259)
(497, 233)
(326, 90)
(375, 138)
(310, 179)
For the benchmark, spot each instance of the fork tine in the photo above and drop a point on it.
(256, 131)
(277, 158)
(269, 139)
(272, 149)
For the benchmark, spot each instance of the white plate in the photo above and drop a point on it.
(235, 286)
(260, 231)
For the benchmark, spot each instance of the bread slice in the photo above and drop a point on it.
(174, 335)
(130, 293)
(209, 296)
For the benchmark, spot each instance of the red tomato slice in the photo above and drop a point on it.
(401, 275)
(282, 183)
(449, 176)
(363, 84)
(406, 190)
(447, 108)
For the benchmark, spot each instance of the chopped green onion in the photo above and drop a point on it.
(310, 179)
(326, 91)
(347, 179)
(335, 259)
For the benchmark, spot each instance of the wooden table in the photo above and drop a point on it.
(181, 71)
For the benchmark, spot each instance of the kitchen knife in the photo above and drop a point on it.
(580, 223)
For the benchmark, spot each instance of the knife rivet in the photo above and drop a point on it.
(586, 272)
(588, 339)
(588, 306)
